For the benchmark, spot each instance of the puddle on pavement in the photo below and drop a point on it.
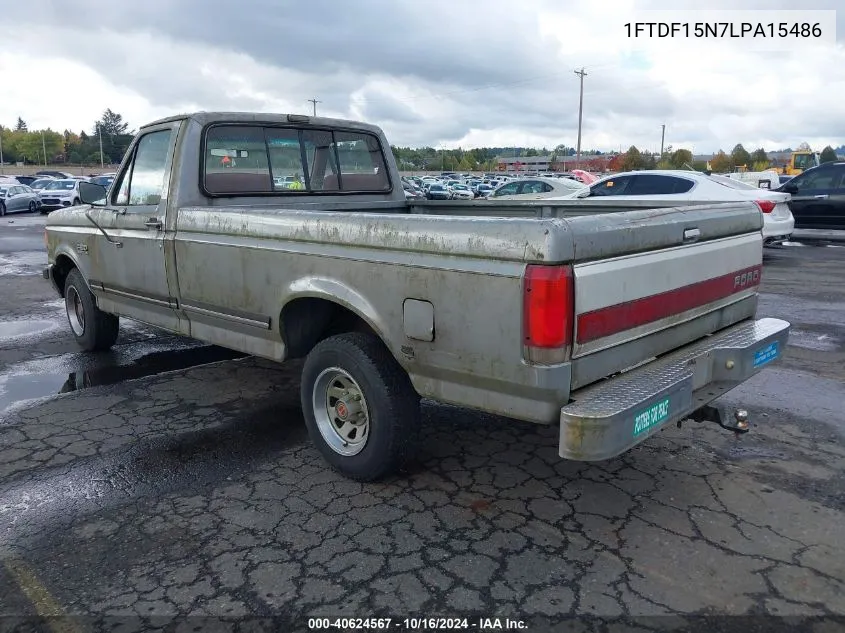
(29, 327)
(22, 263)
(813, 341)
(18, 387)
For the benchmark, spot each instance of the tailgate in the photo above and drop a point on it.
(697, 263)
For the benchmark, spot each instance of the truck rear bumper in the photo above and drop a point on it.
(612, 416)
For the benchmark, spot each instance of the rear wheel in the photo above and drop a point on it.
(360, 408)
(93, 329)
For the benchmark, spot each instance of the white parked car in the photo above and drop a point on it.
(692, 186)
(38, 185)
(535, 189)
(59, 193)
(461, 192)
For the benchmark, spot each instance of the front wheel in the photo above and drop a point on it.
(76, 202)
(32, 207)
(93, 329)
(2, 209)
(360, 407)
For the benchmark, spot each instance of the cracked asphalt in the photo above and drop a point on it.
(188, 487)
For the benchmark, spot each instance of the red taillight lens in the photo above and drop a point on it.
(548, 301)
(766, 206)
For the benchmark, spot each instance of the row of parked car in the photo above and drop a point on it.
(44, 191)
(501, 187)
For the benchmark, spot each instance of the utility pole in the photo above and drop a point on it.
(1, 149)
(662, 137)
(581, 74)
(314, 103)
(100, 133)
(44, 147)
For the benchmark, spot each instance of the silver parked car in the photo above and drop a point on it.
(535, 189)
(15, 198)
(59, 193)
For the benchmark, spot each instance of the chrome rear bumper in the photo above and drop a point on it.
(614, 415)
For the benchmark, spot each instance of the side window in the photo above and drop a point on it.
(657, 185)
(820, 178)
(532, 186)
(236, 160)
(611, 187)
(509, 189)
(547, 187)
(142, 183)
(361, 162)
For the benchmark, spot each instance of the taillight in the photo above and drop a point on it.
(766, 206)
(548, 311)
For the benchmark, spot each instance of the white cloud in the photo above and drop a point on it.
(435, 73)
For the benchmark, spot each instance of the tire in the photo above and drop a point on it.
(2, 209)
(385, 439)
(76, 202)
(32, 207)
(93, 329)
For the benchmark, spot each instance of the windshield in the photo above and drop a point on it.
(804, 161)
(731, 183)
(436, 187)
(103, 180)
(38, 184)
(461, 187)
(63, 185)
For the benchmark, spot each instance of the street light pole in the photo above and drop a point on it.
(100, 133)
(44, 147)
(581, 74)
(1, 149)
(662, 137)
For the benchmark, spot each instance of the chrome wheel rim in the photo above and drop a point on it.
(341, 412)
(75, 311)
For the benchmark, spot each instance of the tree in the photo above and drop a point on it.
(740, 156)
(632, 159)
(20, 126)
(680, 158)
(721, 163)
(112, 124)
(759, 155)
(531, 152)
(828, 155)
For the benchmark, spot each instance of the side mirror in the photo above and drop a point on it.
(92, 194)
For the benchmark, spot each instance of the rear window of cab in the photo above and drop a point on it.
(243, 160)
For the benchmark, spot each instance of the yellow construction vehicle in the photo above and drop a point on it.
(798, 162)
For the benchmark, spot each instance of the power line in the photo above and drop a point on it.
(581, 74)
(314, 102)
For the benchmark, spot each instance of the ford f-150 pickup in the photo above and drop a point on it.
(288, 236)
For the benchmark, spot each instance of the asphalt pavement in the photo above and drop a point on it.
(171, 478)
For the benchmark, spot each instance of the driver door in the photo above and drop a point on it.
(130, 276)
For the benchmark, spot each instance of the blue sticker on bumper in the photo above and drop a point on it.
(766, 355)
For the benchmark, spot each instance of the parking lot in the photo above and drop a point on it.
(172, 478)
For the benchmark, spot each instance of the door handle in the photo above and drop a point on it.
(822, 196)
(691, 235)
(153, 223)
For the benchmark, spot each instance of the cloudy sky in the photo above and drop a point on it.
(444, 73)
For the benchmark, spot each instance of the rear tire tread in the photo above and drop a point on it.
(394, 405)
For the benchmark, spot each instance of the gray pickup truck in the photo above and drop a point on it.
(287, 236)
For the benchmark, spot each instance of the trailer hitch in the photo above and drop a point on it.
(709, 413)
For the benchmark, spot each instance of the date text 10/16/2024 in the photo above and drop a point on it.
(414, 624)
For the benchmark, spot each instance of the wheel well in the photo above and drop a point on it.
(306, 321)
(61, 270)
